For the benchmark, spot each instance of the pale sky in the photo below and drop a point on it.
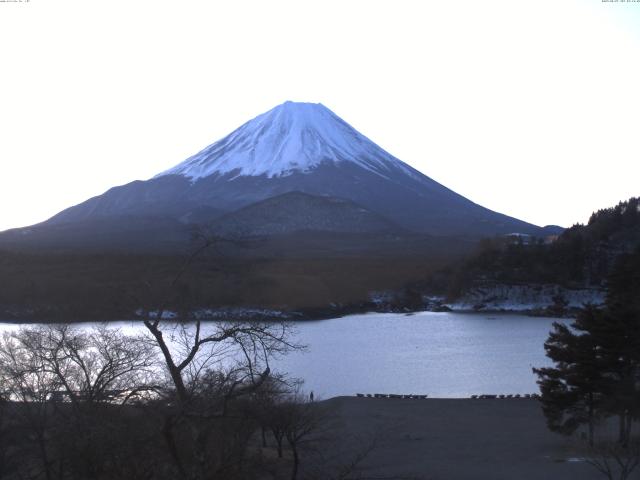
(530, 108)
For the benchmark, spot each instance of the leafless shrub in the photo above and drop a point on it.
(613, 460)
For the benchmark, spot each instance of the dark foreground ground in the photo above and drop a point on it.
(458, 439)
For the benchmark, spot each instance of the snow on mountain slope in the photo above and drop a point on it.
(305, 148)
(292, 137)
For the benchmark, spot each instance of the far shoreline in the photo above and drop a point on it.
(269, 315)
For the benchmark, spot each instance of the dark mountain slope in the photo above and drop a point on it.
(295, 211)
(103, 234)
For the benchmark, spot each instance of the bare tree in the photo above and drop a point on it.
(241, 349)
(99, 365)
(613, 460)
(320, 448)
(198, 384)
(25, 380)
(300, 422)
(209, 366)
(65, 383)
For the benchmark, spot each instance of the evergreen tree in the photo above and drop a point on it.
(573, 390)
(620, 340)
(597, 360)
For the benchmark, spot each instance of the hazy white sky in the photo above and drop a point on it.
(530, 108)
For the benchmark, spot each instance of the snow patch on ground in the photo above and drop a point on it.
(240, 313)
(166, 314)
(223, 313)
(526, 297)
(380, 298)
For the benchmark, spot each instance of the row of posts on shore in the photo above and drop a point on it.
(422, 397)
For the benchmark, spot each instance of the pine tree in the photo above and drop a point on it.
(620, 340)
(597, 360)
(573, 390)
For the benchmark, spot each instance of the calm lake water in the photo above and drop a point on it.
(439, 354)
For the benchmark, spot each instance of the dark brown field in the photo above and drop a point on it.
(71, 287)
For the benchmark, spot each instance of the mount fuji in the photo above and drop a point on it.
(297, 167)
(290, 138)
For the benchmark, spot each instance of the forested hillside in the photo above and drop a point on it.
(581, 257)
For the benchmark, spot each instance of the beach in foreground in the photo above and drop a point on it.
(458, 439)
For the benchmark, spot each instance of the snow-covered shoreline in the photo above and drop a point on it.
(526, 298)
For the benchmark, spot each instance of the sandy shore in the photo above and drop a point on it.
(458, 439)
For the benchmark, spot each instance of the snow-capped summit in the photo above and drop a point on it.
(294, 147)
(292, 137)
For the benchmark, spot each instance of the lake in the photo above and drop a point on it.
(439, 354)
(447, 355)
